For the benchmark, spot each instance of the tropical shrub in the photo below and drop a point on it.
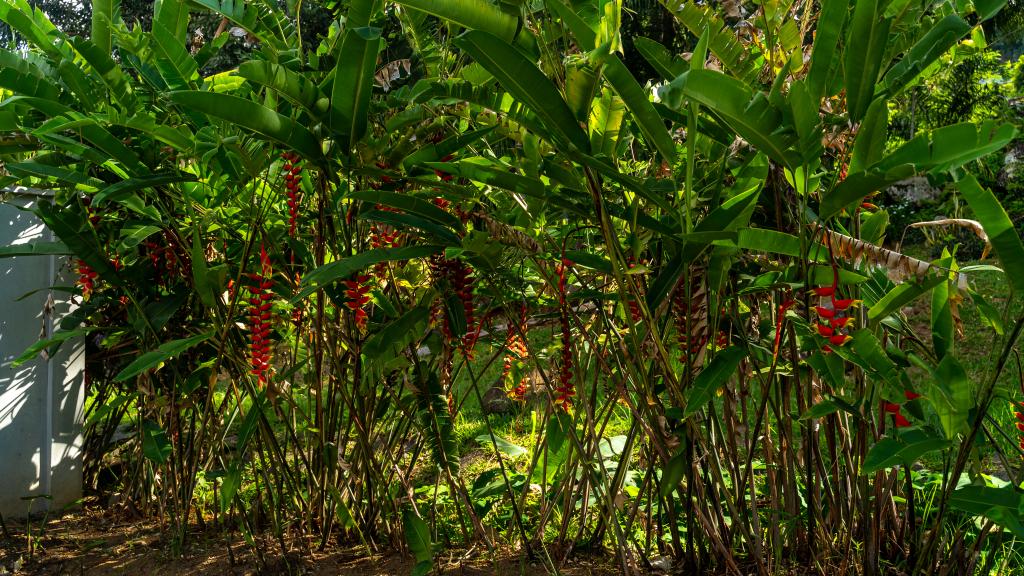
(305, 270)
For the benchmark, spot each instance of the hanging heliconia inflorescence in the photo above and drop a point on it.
(1018, 414)
(635, 313)
(566, 388)
(459, 276)
(833, 322)
(515, 353)
(86, 279)
(899, 420)
(357, 291)
(462, 282)
(259, 318)
(780, 317)
(292, 169)
(382, 237)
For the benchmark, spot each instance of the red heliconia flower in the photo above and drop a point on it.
(441, 203)
(824, 330)
(635, 313)
(1019, 416)
(827, 313)
(357, 290)
(292, 170)
(824, 291)
(1020, 426)
(779, 317)
(260, 318)
(837, 323)
(516, 351)
(566, 389)
(462, 281)
(86, 279)
(868, 206)
(722, 339)
(843, 304)
(839, 339)
(911, 395)
(894, 409)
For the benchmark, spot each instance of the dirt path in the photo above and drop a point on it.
(95, 542)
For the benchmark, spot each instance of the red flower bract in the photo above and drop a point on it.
(566, 389)
(357, 290)
(293, 181)
(260, 317)
(86, 279)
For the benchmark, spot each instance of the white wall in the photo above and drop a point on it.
(41, 400)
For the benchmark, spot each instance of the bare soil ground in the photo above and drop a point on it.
(93, 542)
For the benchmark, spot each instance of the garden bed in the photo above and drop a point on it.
(95, 541)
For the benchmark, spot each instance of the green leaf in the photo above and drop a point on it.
(34, 249)
(156, 447)
(900, 296)
(951, 395)
(951, 146)
(865, 49)
(410, 204)
(341, 269)
(104, 66)
(606, 123)
(1001, 232)
(417, 536)
(942, 319)
(175, 65)
(1001, 505)
(121, 191)
(748, 113)
(625, 85)
(673, 472)
(229, 486)
(387, 343)
(831, 20)
(820, 410)
(499, 177)
(163, 352)
(435, 152)
(255, 117)
(297, 88)
(712, 377)
(57, 338)
(988, 8)
(526, 82)
(353, 84)
(700, 20)
(472, 14)
(936, 42)
(589, 260)
(665, 63)
(910, 446)
(504, 446)
(639, 105)
(857, 186)
(871, 137)
(21, 77)
(200, 273)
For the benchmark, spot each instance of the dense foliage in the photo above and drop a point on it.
(305, 278)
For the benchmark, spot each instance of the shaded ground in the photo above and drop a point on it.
(94, 542)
